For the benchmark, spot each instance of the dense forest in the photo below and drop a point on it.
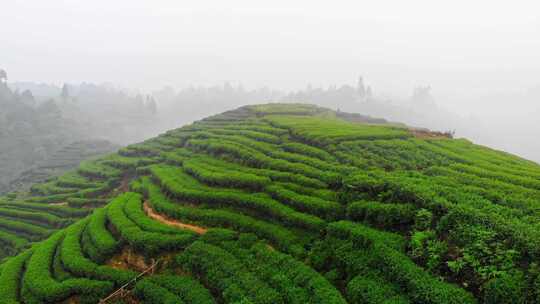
(43, 136)
(280, 203)
(30, 133)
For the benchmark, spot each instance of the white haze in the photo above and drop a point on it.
(481, 58)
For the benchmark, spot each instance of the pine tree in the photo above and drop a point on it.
(361, 88)
(65, 92)
(3, 77)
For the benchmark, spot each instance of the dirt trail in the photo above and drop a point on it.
(124, 184)
(171, 222)
(59, 204)
(123, 187)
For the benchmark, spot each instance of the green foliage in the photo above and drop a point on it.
(381, 214)
(323, 131)
(259, 275)
(308, 151)
(11, 276)
(363, 236)
(147, 242)
(99, 235)
(216, 176)
(27, 230)
(286, 108)
(186, 288)
(175, 182)
(308, 204)
(75, 262)
(293, 205)
(226, 275)
(39, 283)
(508, 288)
(366, 290)
(423, 219)
(94, 169)
(482, 253)
(150, 292)
(281, 237)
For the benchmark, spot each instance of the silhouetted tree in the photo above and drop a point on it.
(151, 105)
(422, 97)
(3, 76)
(369, 93)
(65, 92)
(361, 88)
(28, 98)
(139, 102)
(50, 108)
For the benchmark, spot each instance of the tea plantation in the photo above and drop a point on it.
(279, 204)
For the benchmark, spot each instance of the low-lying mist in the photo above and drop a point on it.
(125, 116)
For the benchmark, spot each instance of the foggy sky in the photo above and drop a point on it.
(477, 55)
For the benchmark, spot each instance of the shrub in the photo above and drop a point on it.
(291, 276)
(32, 231)
(308, 151)
(283, 238)
(216, 176)
(100, 237)
(507, 288)
(133, 209)
(364, 290)
(75, 262)
(11, 275)
(176, 182)
(39, 218)
(39, 282)
(186, 288)
(364, 236)
(419, 285)
(381, 214)
(223, 273)
(423, 219)
(309, 204)
(150, 292)
(143, 241)
(12, 240)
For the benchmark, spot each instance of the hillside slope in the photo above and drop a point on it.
(63, 160)
(281, 204)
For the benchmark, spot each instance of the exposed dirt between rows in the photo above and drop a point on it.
(123, 187)
(72, 300)
(171, 222)
(426, 134)
(127, 259)
(59, 204)
(129, 299)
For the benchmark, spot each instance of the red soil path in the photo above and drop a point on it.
(171, 222)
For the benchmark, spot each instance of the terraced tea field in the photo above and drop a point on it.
(279, 204)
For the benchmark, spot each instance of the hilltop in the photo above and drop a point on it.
(280, 203)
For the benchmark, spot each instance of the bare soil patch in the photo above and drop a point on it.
(127, 259)
(59, 204)
(171, 222)
(427, 134)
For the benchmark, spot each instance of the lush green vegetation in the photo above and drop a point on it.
(280, 204)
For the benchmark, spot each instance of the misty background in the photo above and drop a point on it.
(118, 72)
